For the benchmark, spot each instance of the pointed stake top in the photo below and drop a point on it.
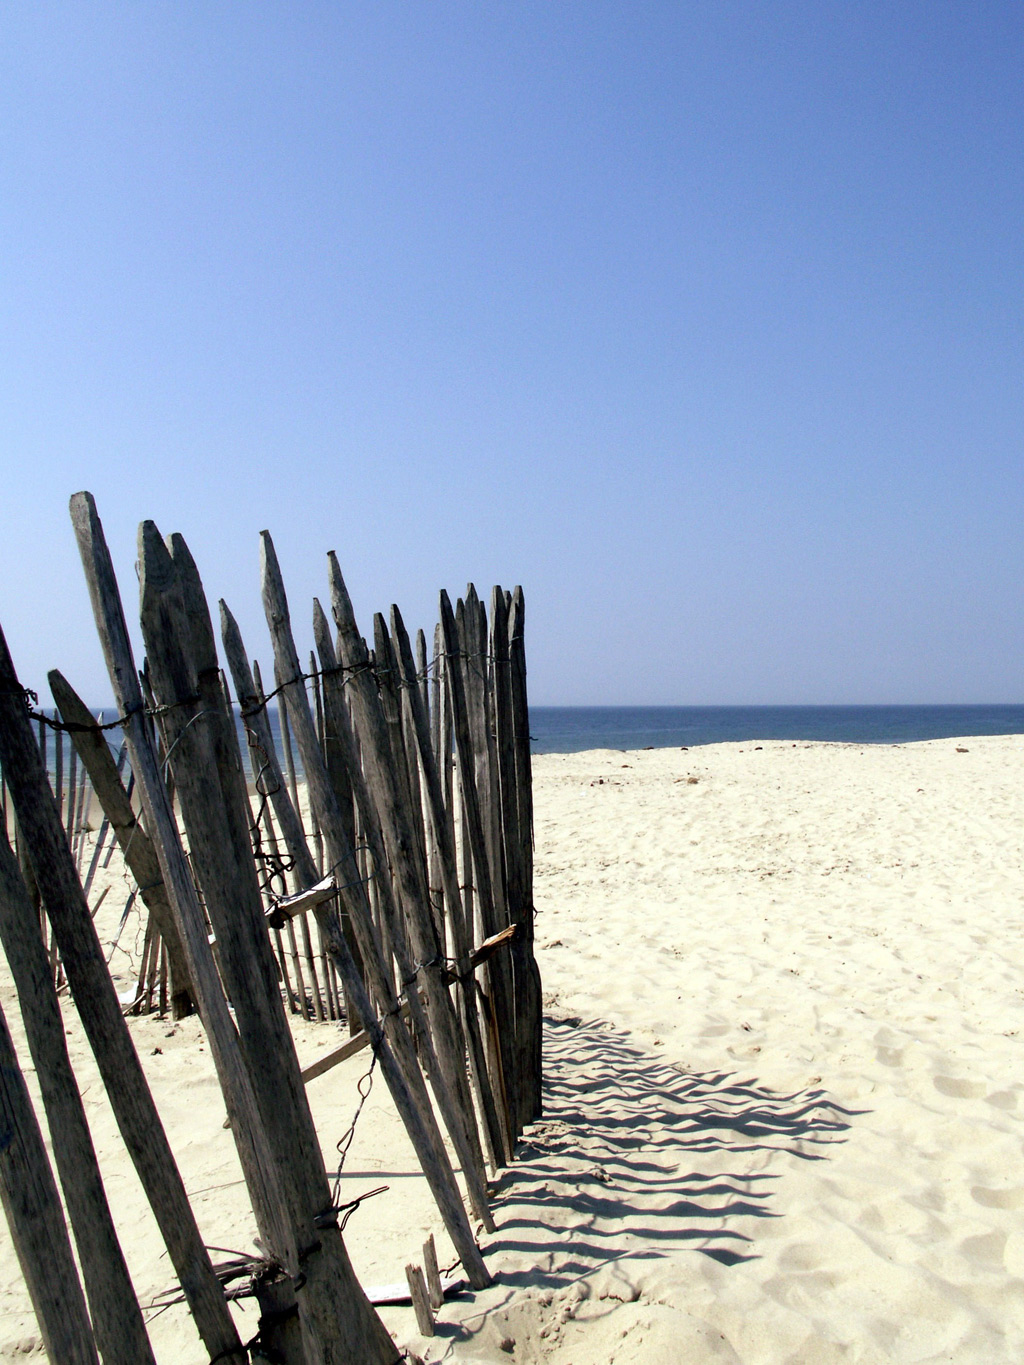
(341, 603)
(156, 568)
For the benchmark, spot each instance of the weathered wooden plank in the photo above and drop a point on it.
(290, 906)
(532, 1089)
(337, 743)
(432, 1274)
(475, 667)
(116, 1316)
(441, 832)
(286, 745)
(338, 1322)
(32, 1205)
(420, 1300)
(479, 664)
(329, 1060)
(336, 716)
(521, 956)
(390, 795)
(267, 774)
(136, 845)
(391, 685)
(473, 820)
(390, 1037)
(97, 1003)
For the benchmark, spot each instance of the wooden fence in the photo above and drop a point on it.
(391, 890)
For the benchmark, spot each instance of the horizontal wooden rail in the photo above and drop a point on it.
(358, 1041)
(287, 907)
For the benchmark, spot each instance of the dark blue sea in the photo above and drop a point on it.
(572, 729)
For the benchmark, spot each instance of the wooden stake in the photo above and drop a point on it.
(432, 1274)
(533, 1019)
(338, 1322)
(441, 832)
(114, 1308)
(136, 845)
(420, 1300)
(104, 1024)
(32, 1205)
(465, 744)
(389, 790)
(397, 1058)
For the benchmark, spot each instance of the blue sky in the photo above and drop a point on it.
(701, 320)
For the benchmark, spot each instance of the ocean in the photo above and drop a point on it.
(572, 729)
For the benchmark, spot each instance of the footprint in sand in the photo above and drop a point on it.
(802, 1256)
(987, 1250)
(958, 1089)
(1002, 1099)
(888, 1049)
(997, 1199)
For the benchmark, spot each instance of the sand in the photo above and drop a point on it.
(784, 1084)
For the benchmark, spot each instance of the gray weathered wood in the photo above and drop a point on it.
(478, 667)
(472, 818)
(420, 1300)
(162, 827)
(524, 972)
(286, 745)
(114, 1308)
(136, 845)
(337, 1320)
(397, 1057)
(338, 756)
(431, 1273)
(441, 831)
(327, 1061)
(267, 773)
(390, 795)
(476, 671)
(266, 767)
(532, 1090)
(29, 1196)
(97, 1003)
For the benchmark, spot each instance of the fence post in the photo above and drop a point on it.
(388, 784)
(32, 1205)
(403, 1071)
(97, 1003)
(338, 1321)
(136, 845)
(114, 1308)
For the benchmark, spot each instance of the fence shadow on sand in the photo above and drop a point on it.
(614, 1168)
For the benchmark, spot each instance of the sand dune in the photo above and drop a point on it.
(784, 1082)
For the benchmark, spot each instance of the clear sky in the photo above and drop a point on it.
(703, 321)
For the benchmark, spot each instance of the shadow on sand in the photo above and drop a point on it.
(613, 1170)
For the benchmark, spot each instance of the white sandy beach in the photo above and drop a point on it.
(784, 1077)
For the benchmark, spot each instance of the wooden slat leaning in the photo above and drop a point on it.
(97, 1004)
(29, 1196)
(338, 1323)
(388, 782)
(113, 1306)
(397, 1058)
(136, 846)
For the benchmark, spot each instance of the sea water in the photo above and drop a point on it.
(572, 729)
